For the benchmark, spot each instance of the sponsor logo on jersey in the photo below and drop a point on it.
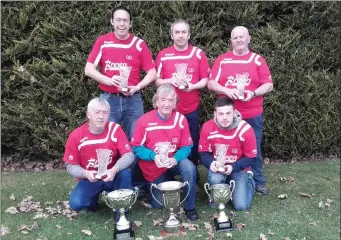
(174, 139)
(231, 80)
(254, 151)
(129, 57)
(109, 65)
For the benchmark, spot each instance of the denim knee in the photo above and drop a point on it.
(215, 178)
(240, 205)
(76, 203)
(123, 179)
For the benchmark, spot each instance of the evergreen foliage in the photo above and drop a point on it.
(44, 47)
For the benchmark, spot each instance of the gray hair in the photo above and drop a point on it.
(98, 101)
(162, 91)
(179, 21)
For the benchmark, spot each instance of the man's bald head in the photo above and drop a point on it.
(240, 30)
(240, 39)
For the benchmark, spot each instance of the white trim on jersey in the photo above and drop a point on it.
(180, 121)
(198, 53)
(144, 138)
(113, 133)
(138, 47)
(240, 128)
(256, 60)
(159, 70)
(247, 127)
(180, 57)
(97, 141)
(233, 62)
(165, 127)
(113, 45)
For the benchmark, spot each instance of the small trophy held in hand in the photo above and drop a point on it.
(164, 148)
(103, 158)
(242, 79)
(124, 74)
(181, 74)
(221, 150)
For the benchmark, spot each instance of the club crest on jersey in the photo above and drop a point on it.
(234, 150)
(191, 70)
(254, 151)
(189, 139)
(174, 139)
(70, 158)
(129, 57)
(127, 146)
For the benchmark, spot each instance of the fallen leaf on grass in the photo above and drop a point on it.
(240, 226)
(327, 205)
(4, 230)
(12, 210)
(320, 204)
(24, 232)
(266, 160)
(283, 179)
(147, 205)
(41, 215)
(282, 196)
(305, 195)
(291, 179)
(138, 239)
(149, 213)
(138, 223)
(59, 227)
(12, 197)
(286, 238)
(262, 237)
(151, 237)
(209, 229)
(207, 225)
(229, 235)
(246, 214)
(270, 233)
(313, 223)
(191, 226)
(87, 232)
(329, 201)
(158, 222)
(48, 203)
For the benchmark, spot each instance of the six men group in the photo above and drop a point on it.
(135, 156)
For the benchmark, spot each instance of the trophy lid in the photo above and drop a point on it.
(120, 193)
(169, 185)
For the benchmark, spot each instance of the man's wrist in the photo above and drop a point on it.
(254, 94)
(138, 87)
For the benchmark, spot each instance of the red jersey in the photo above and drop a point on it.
(150, 130)
(240, 141)
(110, 52)
(228, 67)
(197, 69)
(82, 147)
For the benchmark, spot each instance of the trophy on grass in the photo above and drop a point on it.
(103, 158)
(242, 79)
(124, 73)
(221, 194)
(221, 150)
(164, 148)
(170, 195)
(119, 200)
(181, 75)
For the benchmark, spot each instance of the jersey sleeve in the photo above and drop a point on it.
(263, 71)
(95, 51)
(159, 67)
(147, 61)
(138, 137)
(71, 153)
(203, 141)
(249, 145)
(123, 145)
(185, 137)
(214, 74)
(204, 66)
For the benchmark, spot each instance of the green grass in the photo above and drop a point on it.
(292, 217)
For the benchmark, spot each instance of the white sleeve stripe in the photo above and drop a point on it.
(138, 45)
(180, 57)
(165, 127)
(244, 129)
(181, 120)
(159, 70)
(198, 53)
(144, 138)
(113, 133)
(96, 141)
(258, 62)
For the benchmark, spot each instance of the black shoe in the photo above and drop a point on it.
(262, 189)
(192, 215)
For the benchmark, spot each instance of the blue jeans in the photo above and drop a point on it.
(86, 193)
(194, 128)
(244, 190)
(125, 110)
(257, 125)
(187, 170)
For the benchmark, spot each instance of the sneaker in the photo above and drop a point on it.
(262, 189)
(192, 215)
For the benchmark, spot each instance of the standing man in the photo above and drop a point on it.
(196, 68)
(229, 137)
(165, 128)
(93, 142)
(240, 65)
(121, 50)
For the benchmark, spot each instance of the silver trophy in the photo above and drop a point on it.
(221, 150)
(221, 194)
(124, 73)
(103, 158)
(170, 194)
(242, 79)
(119, 200)
(164, 148)
(181, 74)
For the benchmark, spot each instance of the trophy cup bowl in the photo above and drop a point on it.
(120, 200)
(170, 194)
(221, 194)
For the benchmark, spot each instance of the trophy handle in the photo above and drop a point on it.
(233, 184)
(187, 191)
(105, 197)
(151, 191)
(207, 188)
(136, 193)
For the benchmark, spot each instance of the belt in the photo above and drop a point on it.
(119, 94)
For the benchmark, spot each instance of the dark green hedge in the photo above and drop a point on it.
(44, 47)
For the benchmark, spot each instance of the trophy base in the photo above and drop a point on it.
(180, 232)
(126, 234)
(223, 226)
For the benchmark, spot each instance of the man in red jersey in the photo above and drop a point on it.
(156, 129)
(230, 141)
(228, 70)
(96, 144)
(196, 68)
(121, 55)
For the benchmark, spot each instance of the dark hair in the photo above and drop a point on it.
(223, 101)
(121, 8)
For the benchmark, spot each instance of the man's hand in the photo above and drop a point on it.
(170, 162)
(173, 81)
(111, 173)
(132, 90)
(115, 81)
(90, 175)
(231, 93)
(190, 87)
(228, 169)
(249, 96)
(214, 166)
(157, 161)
